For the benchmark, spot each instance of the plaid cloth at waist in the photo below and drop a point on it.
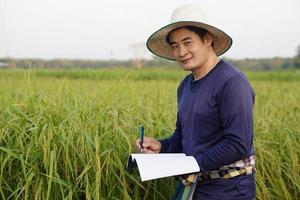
(241, 167)
(188, 184)
(245, 166)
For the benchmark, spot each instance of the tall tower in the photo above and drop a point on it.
(139, 52)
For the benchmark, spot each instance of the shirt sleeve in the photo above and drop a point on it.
(173, 144)
(236, 102)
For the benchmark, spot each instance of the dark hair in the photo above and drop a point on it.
(199, 31)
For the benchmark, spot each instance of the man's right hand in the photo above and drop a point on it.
(150, 145)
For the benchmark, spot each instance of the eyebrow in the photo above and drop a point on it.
(184, 39)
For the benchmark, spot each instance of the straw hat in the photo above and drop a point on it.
(187, 15)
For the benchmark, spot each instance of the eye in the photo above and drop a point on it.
(174, 46)
(187, 43)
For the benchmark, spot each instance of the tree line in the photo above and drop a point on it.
(276, 63)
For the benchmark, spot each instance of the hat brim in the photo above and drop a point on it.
(157, 42)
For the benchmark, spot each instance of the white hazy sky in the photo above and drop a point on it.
(98, 29)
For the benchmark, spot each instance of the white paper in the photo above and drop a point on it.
(153, 166)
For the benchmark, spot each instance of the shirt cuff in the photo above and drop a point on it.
(200, 163)
(164, 146)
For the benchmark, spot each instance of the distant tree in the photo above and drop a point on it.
(288, 63)
(297, 58)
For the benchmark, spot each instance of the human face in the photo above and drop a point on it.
(189, 50)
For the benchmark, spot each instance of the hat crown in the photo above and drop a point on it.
(188, 12)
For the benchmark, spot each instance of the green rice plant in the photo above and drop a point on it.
(68, 134)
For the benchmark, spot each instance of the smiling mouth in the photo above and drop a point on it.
(185, 61)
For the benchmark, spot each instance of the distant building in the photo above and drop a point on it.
(3, 64)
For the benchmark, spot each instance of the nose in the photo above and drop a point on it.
(182, 51)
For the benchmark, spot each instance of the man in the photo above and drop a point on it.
(215, 107)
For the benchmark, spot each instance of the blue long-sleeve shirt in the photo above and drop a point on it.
(214, 119)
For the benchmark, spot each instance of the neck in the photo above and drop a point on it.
(203, 70)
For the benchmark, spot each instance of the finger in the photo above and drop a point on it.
(148, 151)
(147, 139)
(146, 144)
(137, 143)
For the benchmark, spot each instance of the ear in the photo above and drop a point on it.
(208, 39)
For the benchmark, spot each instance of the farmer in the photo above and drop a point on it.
(215, 109)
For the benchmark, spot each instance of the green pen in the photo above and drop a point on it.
(141, 137)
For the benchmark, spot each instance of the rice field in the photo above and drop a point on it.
(67, 134)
